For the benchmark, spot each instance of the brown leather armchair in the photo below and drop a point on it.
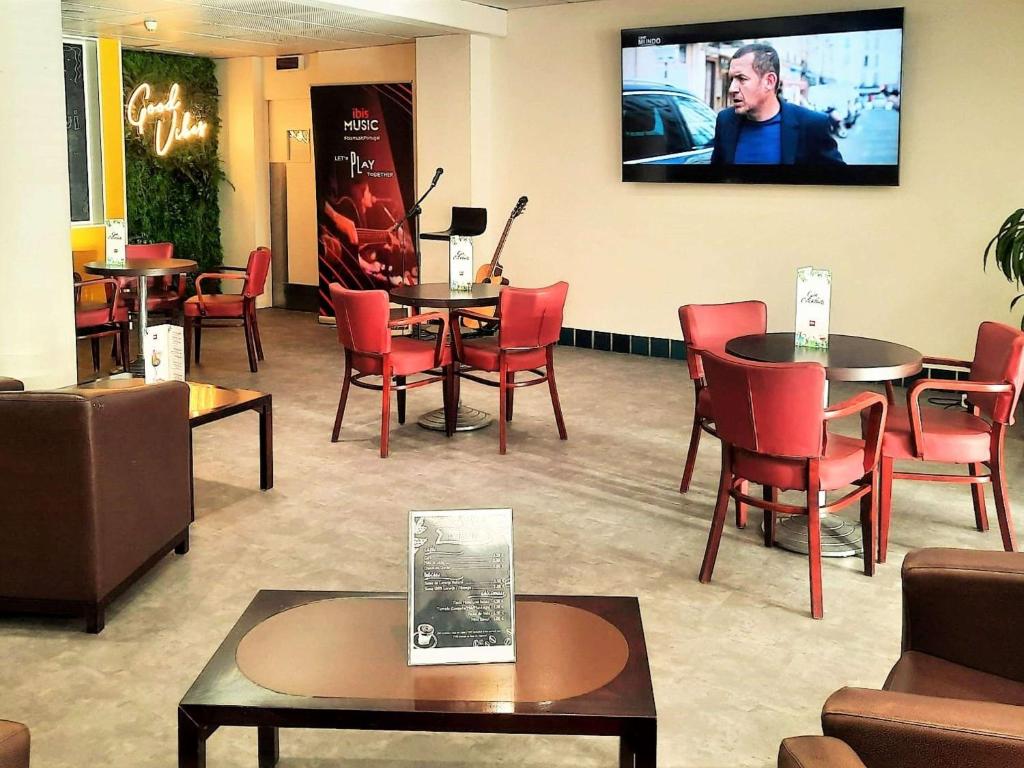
(956, 695)
(14, 745)
(96, 490)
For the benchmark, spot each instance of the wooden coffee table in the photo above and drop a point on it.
(338, 660)
(208, 403)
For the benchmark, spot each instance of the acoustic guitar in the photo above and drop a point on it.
(494, 272)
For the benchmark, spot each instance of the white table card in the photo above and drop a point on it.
(460, 263)
(164, 351)
(117, 239)
(461, 593)
(813, 302)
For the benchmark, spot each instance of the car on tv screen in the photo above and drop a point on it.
(665, 125)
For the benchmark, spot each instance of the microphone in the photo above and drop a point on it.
(437, 175)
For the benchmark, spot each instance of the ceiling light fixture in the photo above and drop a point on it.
(150, 25)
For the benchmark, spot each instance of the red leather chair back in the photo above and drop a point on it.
(362, 318)
(998, 357)
(152, 251)
(256, 270)
(710, 326)
(531, 317)
(772, 408)
(149, 251)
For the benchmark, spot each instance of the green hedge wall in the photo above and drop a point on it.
(174, 198)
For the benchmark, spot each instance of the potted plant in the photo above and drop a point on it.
(1008, 249)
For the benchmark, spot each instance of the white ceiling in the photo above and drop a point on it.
(226, 28)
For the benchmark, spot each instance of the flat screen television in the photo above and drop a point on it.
(788, 100)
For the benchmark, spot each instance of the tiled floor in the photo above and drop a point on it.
(737, 665)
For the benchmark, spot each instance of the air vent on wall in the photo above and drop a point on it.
(291, 62)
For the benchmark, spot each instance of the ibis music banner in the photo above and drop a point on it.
(363, 150)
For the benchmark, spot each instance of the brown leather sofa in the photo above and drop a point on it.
(956, 695)
(95, 491)
(14, 745)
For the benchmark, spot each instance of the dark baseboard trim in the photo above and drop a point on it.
(653, 346)
(303, 298)
(623, 343)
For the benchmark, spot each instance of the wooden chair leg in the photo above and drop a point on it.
(691, 454)
(400, 382)
(250, 345)
(385, 410)
(771, 519)
(1002, 496)
(95, 343)
(978, 496)
(346, 381)
(554, 393)
(814, 541)
(502, 405)
(256, 334)
(869, 524)
(198, 326)
(510, 394)
(126, 346)
(884, 506)
(186, 333)
(707, 568)
(741, 508)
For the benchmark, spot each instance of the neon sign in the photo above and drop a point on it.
(173, 122)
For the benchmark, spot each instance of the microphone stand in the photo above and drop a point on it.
(414, 211)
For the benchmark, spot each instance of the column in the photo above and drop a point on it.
(37, 321)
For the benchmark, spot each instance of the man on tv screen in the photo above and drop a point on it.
(762, 129)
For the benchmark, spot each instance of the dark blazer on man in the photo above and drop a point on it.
(805, 137)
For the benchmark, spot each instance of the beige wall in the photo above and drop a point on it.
(245, 196)
(906, 261)
(288, 95)
(37, 316)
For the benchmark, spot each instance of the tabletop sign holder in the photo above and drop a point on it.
(813, 304)
(461, 587)
(117, 239)
(466, 224)
(164, 353)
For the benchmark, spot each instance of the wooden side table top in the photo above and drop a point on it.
(142, 267)
(848, 358)
(441, 296)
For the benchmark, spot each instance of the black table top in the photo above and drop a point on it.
(848, 358)
(222, 694)
(142, 267)
(440, 295)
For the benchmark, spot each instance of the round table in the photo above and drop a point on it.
(141, 269)
(441, 296)
(847, 358)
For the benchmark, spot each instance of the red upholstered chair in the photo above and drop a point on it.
(709, 327)
(95, 320)
(976, 438)
(529, 321)
(229, 306)
(166, 293)
(771, 422)
(364, 331)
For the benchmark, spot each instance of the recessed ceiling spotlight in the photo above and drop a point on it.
(150, 25)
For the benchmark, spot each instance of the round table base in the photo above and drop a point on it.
(468, 420)
(137, 367)
(839, 537)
